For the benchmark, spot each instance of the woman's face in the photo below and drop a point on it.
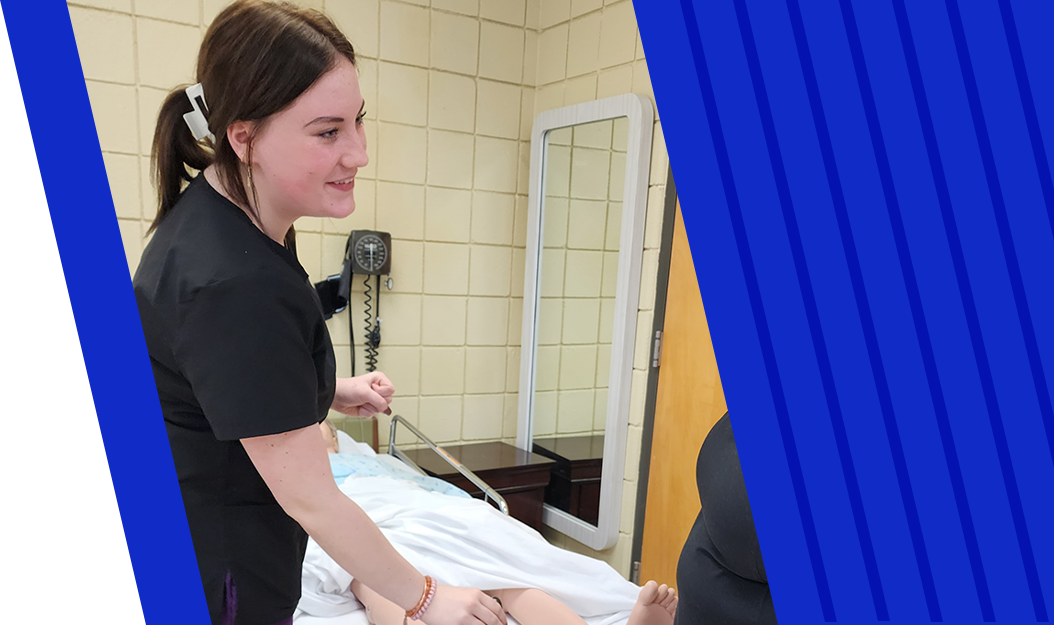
(305, 157)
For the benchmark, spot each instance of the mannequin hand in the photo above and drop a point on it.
(364, 395)
(452, 605)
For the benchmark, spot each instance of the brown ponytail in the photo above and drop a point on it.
(255, 60)
(174, 150)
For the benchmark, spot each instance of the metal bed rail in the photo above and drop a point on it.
(488, 492)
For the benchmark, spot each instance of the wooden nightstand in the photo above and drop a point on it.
(519, 476)
(575, 487)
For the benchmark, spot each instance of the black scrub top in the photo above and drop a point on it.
(239, 348)
(721, 577)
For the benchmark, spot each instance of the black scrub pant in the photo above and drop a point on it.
(720, 576)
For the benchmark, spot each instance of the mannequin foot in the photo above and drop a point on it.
(656, 605)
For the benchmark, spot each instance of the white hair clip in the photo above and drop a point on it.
(195, 119)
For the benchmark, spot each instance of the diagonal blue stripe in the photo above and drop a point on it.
(1032, 121)
(918, 318)
(812, 315)
(1024, 317)
(863, 305)
(758, 311)
(966, 291)
(1043, 168)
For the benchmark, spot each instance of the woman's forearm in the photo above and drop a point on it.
(295, 467)
(355, 542)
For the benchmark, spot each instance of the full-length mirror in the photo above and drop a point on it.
(585, 169)
(588, 191)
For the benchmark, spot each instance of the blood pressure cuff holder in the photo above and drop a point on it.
(331, 296)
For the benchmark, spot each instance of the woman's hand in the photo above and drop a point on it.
(364, 395)
(452, 605)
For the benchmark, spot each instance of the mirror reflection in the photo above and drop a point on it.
(584, 171)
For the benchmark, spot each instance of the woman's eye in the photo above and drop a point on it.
(361, 118)
(329, 134)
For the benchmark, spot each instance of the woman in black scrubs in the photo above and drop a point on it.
(720, 576)
(241, 356)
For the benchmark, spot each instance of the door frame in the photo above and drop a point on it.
(669, 219)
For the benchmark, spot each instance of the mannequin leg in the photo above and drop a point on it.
(531, 606)
(656, 605)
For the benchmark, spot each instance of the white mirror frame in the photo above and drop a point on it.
(640, 114)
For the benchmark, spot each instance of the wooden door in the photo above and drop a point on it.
(688, 402)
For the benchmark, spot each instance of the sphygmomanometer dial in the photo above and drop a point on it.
(370, 252)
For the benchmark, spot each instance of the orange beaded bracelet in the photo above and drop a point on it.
(426, 599)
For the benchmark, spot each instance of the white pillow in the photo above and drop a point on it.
(348, 445)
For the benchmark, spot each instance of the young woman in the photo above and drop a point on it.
(242, 360)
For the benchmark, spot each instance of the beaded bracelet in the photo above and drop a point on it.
(421, 601)
(426, 598)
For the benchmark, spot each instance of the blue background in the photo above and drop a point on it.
(868, 195)
(95, 532)
(868, 198)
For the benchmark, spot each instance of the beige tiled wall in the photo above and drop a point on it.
(452, 89)
(585, 171)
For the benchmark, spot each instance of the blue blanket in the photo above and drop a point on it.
(345, 465)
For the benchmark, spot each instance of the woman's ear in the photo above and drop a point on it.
(240, 134)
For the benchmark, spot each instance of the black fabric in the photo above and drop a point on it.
(239, 349)
(720, 576)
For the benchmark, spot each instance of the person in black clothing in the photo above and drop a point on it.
(720, 576)
(241, 355)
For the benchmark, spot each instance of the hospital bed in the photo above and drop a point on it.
(359, 430)
(391, 493)
(351, 423)
(488, 492)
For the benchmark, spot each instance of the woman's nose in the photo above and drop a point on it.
(355, 153)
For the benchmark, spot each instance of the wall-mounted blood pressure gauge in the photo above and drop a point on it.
(371, 252)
